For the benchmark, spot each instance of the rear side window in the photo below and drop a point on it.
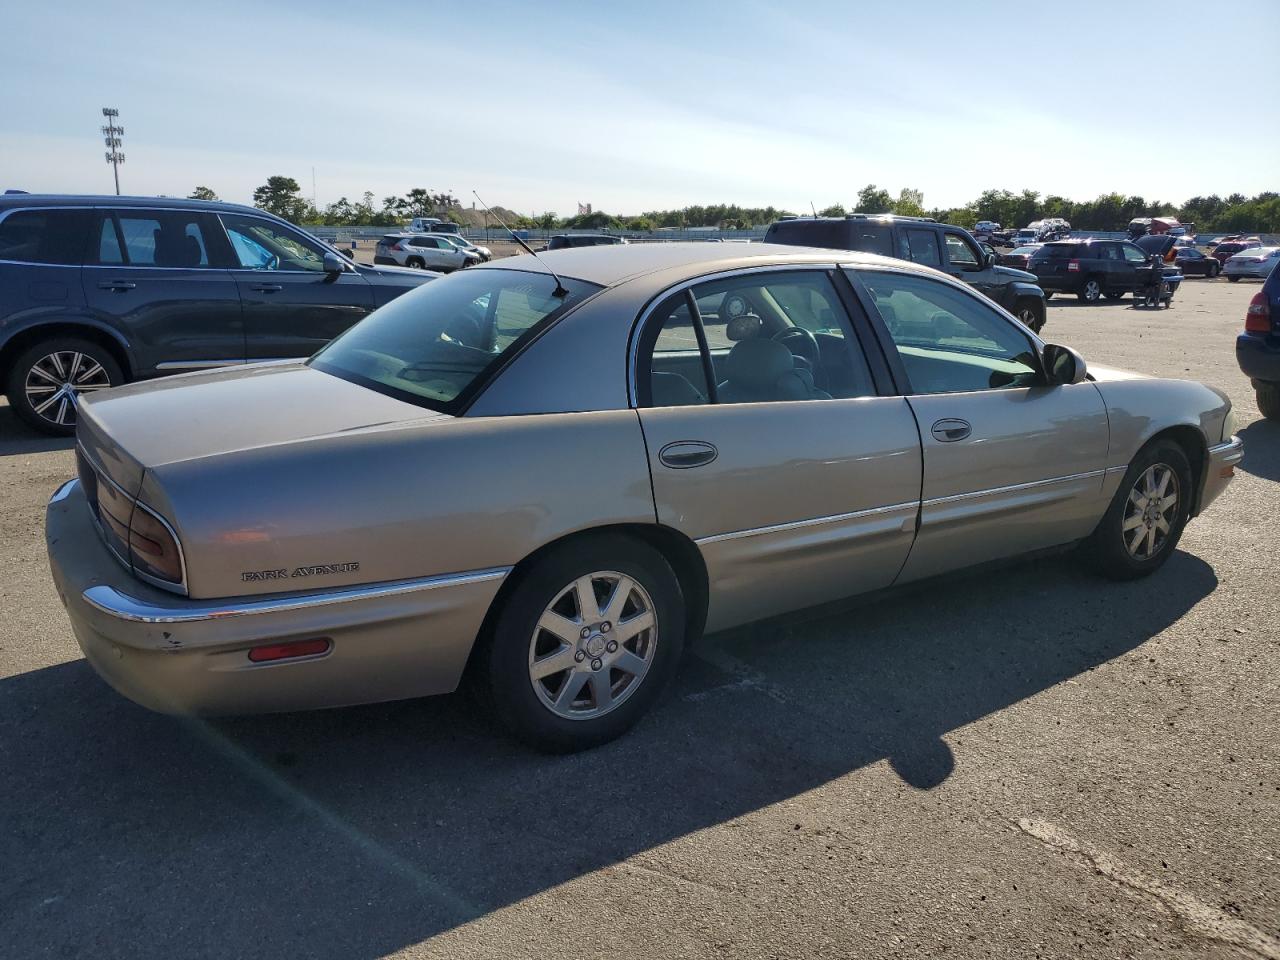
(44, 236)
(1060, 251)
(164, 238)
(810, 233)
(920, 246)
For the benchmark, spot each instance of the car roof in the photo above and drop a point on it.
(616, 263)
(12, 200)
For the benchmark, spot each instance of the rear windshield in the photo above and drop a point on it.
(436, 345)
(1230, 247)
(1058, 251)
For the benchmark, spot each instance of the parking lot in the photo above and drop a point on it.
(1022, 762)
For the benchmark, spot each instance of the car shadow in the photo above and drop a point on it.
(1071, 300)
(1261, 449)
(18, 438)
(354, 833)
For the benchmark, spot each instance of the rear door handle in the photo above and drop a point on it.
(950, 430)
(119, 285)
(683, 454)
(266, 287)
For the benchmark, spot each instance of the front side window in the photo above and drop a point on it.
(948, 339)
(436, 345)
(163, 238)
(770, 336)
(51, 235)
(960, 253)
(263, 245)
(1134, 254)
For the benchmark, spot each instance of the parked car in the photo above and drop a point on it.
(97, 291)
(1025, 236)
(985, 229)
(1258, 347)
(422, 224)
(413, 513)
(1255, 262)
(423, 251)
(1229, 248)
(1193, 263)
(462, 243)
(1018, 256)
(564, 241)
(1093, 269)
(925, 241)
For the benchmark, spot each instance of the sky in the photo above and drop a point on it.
(542, 104)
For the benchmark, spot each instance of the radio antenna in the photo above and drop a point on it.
(560, 290)
(814, 209)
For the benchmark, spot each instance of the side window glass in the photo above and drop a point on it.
(776, 335)
(109, 242)
(263, 245)
(949, 340)
(922, 246)
(1134, 254)
(44, 236)
(162, 238)
(960, 253)
(677, 377)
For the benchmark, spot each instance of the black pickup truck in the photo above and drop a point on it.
(921, 240)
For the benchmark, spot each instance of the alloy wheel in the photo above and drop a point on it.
(1092, 290)
(55, 382)
(1150, 512)
(593, 645)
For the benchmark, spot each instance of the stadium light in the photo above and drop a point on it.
(111, 135)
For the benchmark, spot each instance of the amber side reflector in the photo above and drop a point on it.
(285, 651)
(1228, 471)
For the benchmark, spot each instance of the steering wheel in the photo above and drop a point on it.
(801, 343)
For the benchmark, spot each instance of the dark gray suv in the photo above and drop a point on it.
(921, 240)
(98, 291)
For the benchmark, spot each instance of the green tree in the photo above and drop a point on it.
(283, 197)
(835, 210)
(547, 221)
(202, 193)
(871, 199)
(910, 203)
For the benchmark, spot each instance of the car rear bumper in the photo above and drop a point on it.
(387, 641)
(382, 261)
(1223, 459)
(1259, 356)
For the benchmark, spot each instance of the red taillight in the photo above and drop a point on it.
(399, 245)
(1073, 266)
(286, 651)
(1257, 319)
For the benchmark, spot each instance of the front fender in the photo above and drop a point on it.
(1016, 291)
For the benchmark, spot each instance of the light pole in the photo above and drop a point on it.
(111, 135)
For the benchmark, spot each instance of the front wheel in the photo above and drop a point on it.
(1232, 278)
(1268, 397)
(1091, 291)
(1141, 527)
(47, 380)
(583, 644)
(1030, 313)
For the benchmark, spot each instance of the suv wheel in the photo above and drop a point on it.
(1268, 396)
(1091, 291)
(1031, 313)
(1232, 278)
(416, 262)
(47, 379)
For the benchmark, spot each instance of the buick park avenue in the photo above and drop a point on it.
(546, 475)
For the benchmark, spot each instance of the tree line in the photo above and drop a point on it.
(1111, 211)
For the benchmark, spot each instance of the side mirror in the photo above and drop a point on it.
(334, 265)
(989, 260)
(1062, 365)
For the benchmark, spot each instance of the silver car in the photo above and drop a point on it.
(1256, 263)
(548, 483)
(425, 251)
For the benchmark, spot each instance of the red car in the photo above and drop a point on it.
(1226, 250)
(1019, 256)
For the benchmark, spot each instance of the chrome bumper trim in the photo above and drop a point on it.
(1232, 451)
(121, 606)
(65, 490)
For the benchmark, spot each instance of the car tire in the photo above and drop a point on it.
(45, 397)
(1031, 313)
(1214, 271)
(417, 263)
(1128, 542)
(1232, 278)
(1091, 292)
(1114, 295)
(1268, 397)
(528, 705)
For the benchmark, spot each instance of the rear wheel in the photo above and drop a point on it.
(1232, 278)
(1146, 517)
(47, 380)
(1268, 396)
(1091, 291)
(583, 645)
(416, 262)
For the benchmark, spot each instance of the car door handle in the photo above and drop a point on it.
(266, 287)
(951, 430)
(118, 285)
(683, 454)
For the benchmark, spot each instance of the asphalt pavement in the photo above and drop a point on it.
(1022, 762)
